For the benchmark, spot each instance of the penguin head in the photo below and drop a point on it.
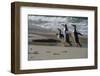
(58, 29)
(74, 26)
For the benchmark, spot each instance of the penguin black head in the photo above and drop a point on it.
(59, 29)
(74, 26)
(65, 25)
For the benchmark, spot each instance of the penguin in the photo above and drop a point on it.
(66, 32)
(76, 36)
(60, 35)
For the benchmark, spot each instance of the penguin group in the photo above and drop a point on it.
(65, 35)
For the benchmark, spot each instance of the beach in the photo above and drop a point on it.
(48, 47)
(56, 52)
(45, 41)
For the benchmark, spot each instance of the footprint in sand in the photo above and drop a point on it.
(56, 54)
(48, 51)
(35, 52)
(65, 51)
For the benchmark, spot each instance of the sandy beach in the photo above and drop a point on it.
(56, 52)
(48, 47)
(45, 41)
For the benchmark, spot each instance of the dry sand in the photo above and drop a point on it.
(56, 52)
(52, 51)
